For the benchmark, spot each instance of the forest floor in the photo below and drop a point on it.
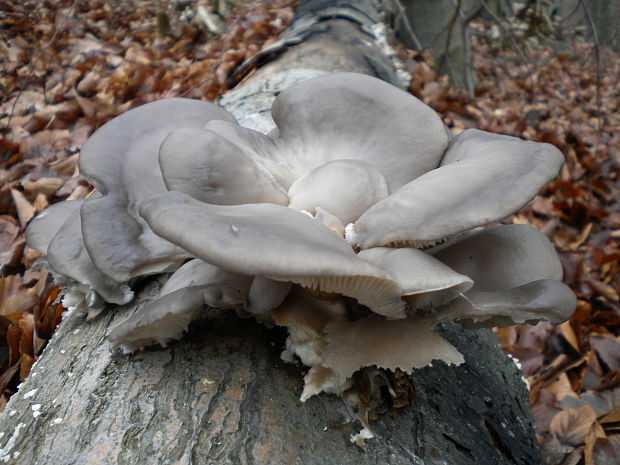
(68, 66)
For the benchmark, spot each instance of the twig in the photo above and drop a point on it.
(506, 31)
(455, 15)
(403, 15)
(597, 65)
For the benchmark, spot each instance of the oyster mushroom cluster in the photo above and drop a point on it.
(359, 223)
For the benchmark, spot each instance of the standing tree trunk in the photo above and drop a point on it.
(222, 395)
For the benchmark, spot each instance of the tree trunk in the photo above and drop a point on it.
(222, 395)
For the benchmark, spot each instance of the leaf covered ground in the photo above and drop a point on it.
(69, 66)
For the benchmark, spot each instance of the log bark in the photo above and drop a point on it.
(222, 395)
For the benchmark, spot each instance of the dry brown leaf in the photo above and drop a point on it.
(67, 166)
(9, 286)
(608, 349)
(602, 402)
(569, 335)
(40, 202)
(25, 366)
(603, 289)
(596, 434)
(45, 186)
(607, 451)
(25, 210)
(19, 303)
(571, 426)
(8, 231)
(582, 237)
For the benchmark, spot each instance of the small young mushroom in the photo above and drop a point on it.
(345, 188)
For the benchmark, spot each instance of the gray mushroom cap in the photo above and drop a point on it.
(57, 233)
(68, 256)
(164, 321)
(185, 294)
(544, 299)
(46, 224)
(345, 188)
(272, 241)
(356, 116)
(483, 177)
(121, 160)
(426, 281)
(206, 166)
(503, 257)
(403, 344)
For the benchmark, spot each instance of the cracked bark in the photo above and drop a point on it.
(222, 395)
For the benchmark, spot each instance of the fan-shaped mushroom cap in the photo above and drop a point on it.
(426, 281)
(483, 177)
(504, 256)
(206, 166)
(166, 319)
(259, 147)
(403, 344)
(196, 273)
(121, 160)
(272, 241)
(355, 116)
(544, 299)
(46, 224)
(67, 256)
(189, 289)
(345, 188)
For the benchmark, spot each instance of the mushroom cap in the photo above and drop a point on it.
(46, 224)
(263, 149)
(206, 166)
(345, 188)
(426, 282)
(356, 116)
(275, 242)
(197, 273)
(194, 285)
(390, 344)
(301, 309)
(121, 160)
(166, 319)
(503, 257)
(483, 177)
(67, 255)
(544, 299)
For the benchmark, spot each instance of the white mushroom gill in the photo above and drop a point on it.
(264, 218)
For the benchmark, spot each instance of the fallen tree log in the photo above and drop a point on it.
(222, 395)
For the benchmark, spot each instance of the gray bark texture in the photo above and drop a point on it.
(222, 395)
